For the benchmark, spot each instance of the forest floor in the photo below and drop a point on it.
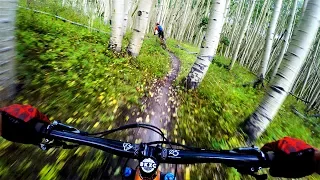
(68, 73)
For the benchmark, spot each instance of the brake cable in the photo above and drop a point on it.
(129, 126)
(138, 125)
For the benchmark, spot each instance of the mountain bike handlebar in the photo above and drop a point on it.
(246, 160)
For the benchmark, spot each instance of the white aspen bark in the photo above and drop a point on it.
(226, 27)
(142, 20)
(134, 6)
(297, 52)
(269, 40)
(209, 45)
(280, 33)
(152, 19)
(242, 33)
(164, 12)
(235, 27)
(7, 48)
(304, 6)
(116, 25)
(313, 99)
(312, 90)
(309, 69)
(127, 7)
(226, 12)
(257, 33)
(85, 8)
(286, 39)
(312, 84)
(185, 17)
(159, 10)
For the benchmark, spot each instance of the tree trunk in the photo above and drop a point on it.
(242, 33)
(313, 100)
(7, 49)
(140, 27)
(159, 10)
(309, 69)
(286, 39)
(209, 45)
(299, 47)
(127, 7)
(269, 40)
(116, 25)
(304, 6)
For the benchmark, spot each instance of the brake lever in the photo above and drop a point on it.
(47, 144)
(63, 127)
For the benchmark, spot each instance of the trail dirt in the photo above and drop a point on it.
(160, 110)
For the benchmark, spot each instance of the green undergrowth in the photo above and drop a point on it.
(210, 116)
(67, 72)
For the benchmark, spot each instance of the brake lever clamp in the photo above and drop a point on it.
(252, 170)
(47, 143)
(253, 150)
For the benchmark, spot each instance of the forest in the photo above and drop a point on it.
(228, 74)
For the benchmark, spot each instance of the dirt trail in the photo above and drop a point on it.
(161, 106)
(160, 111)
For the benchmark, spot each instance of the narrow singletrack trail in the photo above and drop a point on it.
(160, 110)
(161, 106)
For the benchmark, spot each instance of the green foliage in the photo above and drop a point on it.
(68, 73)
(224, 40)
(204, 22)
(210, 115)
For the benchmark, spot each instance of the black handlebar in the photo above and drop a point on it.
(251, 157)
(108, 145)
(246, 160)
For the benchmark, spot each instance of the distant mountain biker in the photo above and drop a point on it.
(293, 158)
(159, 29)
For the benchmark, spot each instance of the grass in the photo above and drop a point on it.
(68, 73)
(210, 116)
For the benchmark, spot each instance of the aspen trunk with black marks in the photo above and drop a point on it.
(269, 42)
(209, 45)
(140, 27)
(7, 49)
(302, 40)
(116, 25)
(286, 39)
(242, 33)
